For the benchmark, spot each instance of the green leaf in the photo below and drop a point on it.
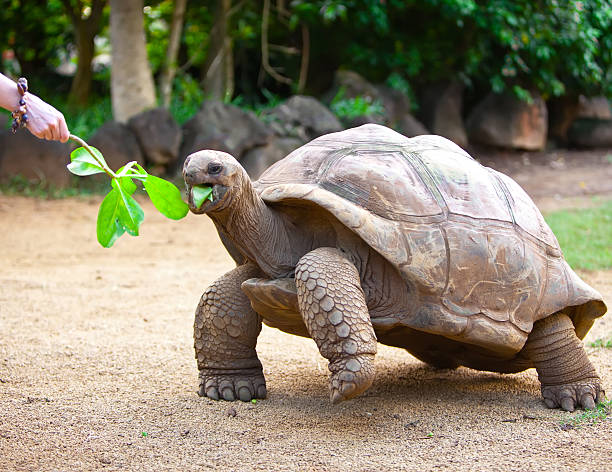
(166, 197)
(129, 211)
(201, 193)
(108, 227)
(82, 163)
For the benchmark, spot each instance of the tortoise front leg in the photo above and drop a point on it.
(225, 335)
(333, 306)
(568, 379)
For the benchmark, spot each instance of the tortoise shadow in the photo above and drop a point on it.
(409, 390)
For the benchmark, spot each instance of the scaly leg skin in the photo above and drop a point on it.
(567, 377)
(225, 335)
(333, 306)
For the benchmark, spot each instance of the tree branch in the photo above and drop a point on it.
(305, 58)
(265, 57)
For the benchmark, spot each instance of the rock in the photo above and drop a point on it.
(355, 85)
(395, 105)
(302, 117)
(504, 120)
(591, 133)
(562, 111)
(117, 144)
(441, 112)
(159, 136)
(35, 159)
(594, 107)
(349, 85)
(409, 126)
(260, 158)
(223, 128)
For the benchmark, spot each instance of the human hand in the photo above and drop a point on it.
(44, 121)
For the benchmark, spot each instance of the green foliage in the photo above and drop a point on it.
(186, 98)
(120, 212)
(585, 236)
(349, 108)
(85, 121)
(553, 46)
(601, 342)
(36, 31)
(157, 29)
(588, 417)
(201, 193)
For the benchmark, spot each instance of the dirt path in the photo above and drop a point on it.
(97, 372)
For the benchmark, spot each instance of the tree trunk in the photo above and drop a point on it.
(169, 70)
(218, 69)
(132, 88)
(81, 83)
(85, 30)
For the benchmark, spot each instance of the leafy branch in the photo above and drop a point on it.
(120, 212)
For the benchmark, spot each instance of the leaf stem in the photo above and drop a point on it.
(103, 164)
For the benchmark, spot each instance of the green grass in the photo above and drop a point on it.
(19, 185)
(585, 236)
(602, 342)
(588, 417)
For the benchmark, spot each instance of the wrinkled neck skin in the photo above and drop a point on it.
(260, 233)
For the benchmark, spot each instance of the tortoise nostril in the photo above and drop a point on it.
(190, 175)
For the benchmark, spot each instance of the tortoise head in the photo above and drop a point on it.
(220, 171)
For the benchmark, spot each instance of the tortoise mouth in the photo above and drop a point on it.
(218, 195)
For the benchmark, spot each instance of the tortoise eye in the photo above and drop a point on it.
(214, 168)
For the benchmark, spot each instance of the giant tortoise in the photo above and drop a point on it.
(366, 235)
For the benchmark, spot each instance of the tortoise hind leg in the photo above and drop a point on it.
(568, 379)
(333, 306)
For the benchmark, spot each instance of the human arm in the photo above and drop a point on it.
(44, 121)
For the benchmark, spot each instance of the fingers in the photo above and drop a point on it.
(64, 134)
(44, 121)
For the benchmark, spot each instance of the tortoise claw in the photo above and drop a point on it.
(243, 386)
(585, 395)
(350, 376)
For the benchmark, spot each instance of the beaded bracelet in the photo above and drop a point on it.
(20, 116)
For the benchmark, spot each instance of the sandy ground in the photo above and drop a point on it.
(97, 370)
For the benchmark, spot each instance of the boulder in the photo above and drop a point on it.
(562, 111)
(396, 108)
(35, 159)
(159, 136)
(260, 158)
(349, 85)
(441, 105)
(354, 85)
(409, 126)
(304, 118)
(397, 104)
(503, 120)
(117, 144)
(223, 128)
(591, 133)
(594, 107)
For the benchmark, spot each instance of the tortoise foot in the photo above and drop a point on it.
(351, 375)
(585, 394)
(243, 385)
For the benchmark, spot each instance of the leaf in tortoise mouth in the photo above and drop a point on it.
(201, 193)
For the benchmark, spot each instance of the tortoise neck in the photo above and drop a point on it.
(259, 232)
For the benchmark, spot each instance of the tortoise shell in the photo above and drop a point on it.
(485, 263)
